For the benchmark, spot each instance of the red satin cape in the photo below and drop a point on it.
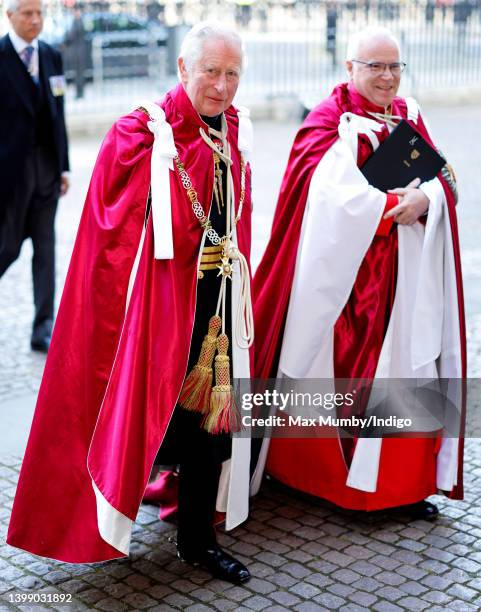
(300, 462)
(112, 378)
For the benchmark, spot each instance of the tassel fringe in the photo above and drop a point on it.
(196, 392)
(223, 416)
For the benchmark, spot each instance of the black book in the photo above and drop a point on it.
(401, 158)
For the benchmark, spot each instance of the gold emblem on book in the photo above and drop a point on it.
(415, 154)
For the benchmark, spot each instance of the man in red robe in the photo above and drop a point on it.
(161, 256)
(358, 299)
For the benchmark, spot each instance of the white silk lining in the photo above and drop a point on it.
(245, 138)
(114, 527)
(233, 490)
(342, 213)
(163, 152)
(415, 342)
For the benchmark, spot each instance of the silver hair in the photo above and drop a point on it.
(12, 5)
(367, 34)
(193, 43)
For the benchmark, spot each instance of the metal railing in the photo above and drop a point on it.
(304, 51)
(295, 48)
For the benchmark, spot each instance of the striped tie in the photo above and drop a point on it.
(26, 57)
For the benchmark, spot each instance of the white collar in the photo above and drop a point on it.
(19, 44)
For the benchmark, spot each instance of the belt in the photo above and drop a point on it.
(210, 259)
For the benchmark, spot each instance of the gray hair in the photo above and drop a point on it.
(196, 37)
(367, 34)
(13, 5)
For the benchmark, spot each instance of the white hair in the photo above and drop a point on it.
(13, 5)
(196, 37)
(365, 35)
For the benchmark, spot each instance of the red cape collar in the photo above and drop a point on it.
(350, 100)
(185, 107)
(361, 103)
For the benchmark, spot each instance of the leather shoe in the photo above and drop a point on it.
(40, 343)
(219, 563)
(423, 510)
(41, 334)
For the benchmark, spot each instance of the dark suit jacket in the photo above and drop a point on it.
(17, 124)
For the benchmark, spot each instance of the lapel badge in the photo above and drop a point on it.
(58, 85)
(415, 154)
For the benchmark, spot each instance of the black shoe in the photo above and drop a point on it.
(41, 334)
(423, 510)
(39, 343)
(218, 563)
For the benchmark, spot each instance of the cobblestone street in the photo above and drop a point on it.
(304, 554)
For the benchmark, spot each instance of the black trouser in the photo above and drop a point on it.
(198, 454)
(31, 214)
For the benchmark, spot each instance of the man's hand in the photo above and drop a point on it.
(413, 203)
(64, 184)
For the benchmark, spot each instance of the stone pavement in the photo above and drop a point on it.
(304, 554)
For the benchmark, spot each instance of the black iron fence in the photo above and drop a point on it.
(116, 53)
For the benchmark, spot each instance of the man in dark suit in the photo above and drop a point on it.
(33, 154)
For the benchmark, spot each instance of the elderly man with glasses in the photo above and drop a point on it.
(357, 283)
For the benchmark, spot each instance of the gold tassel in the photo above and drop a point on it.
(223, 416)
(196, 391)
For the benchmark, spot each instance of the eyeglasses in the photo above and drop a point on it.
(379, 67)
